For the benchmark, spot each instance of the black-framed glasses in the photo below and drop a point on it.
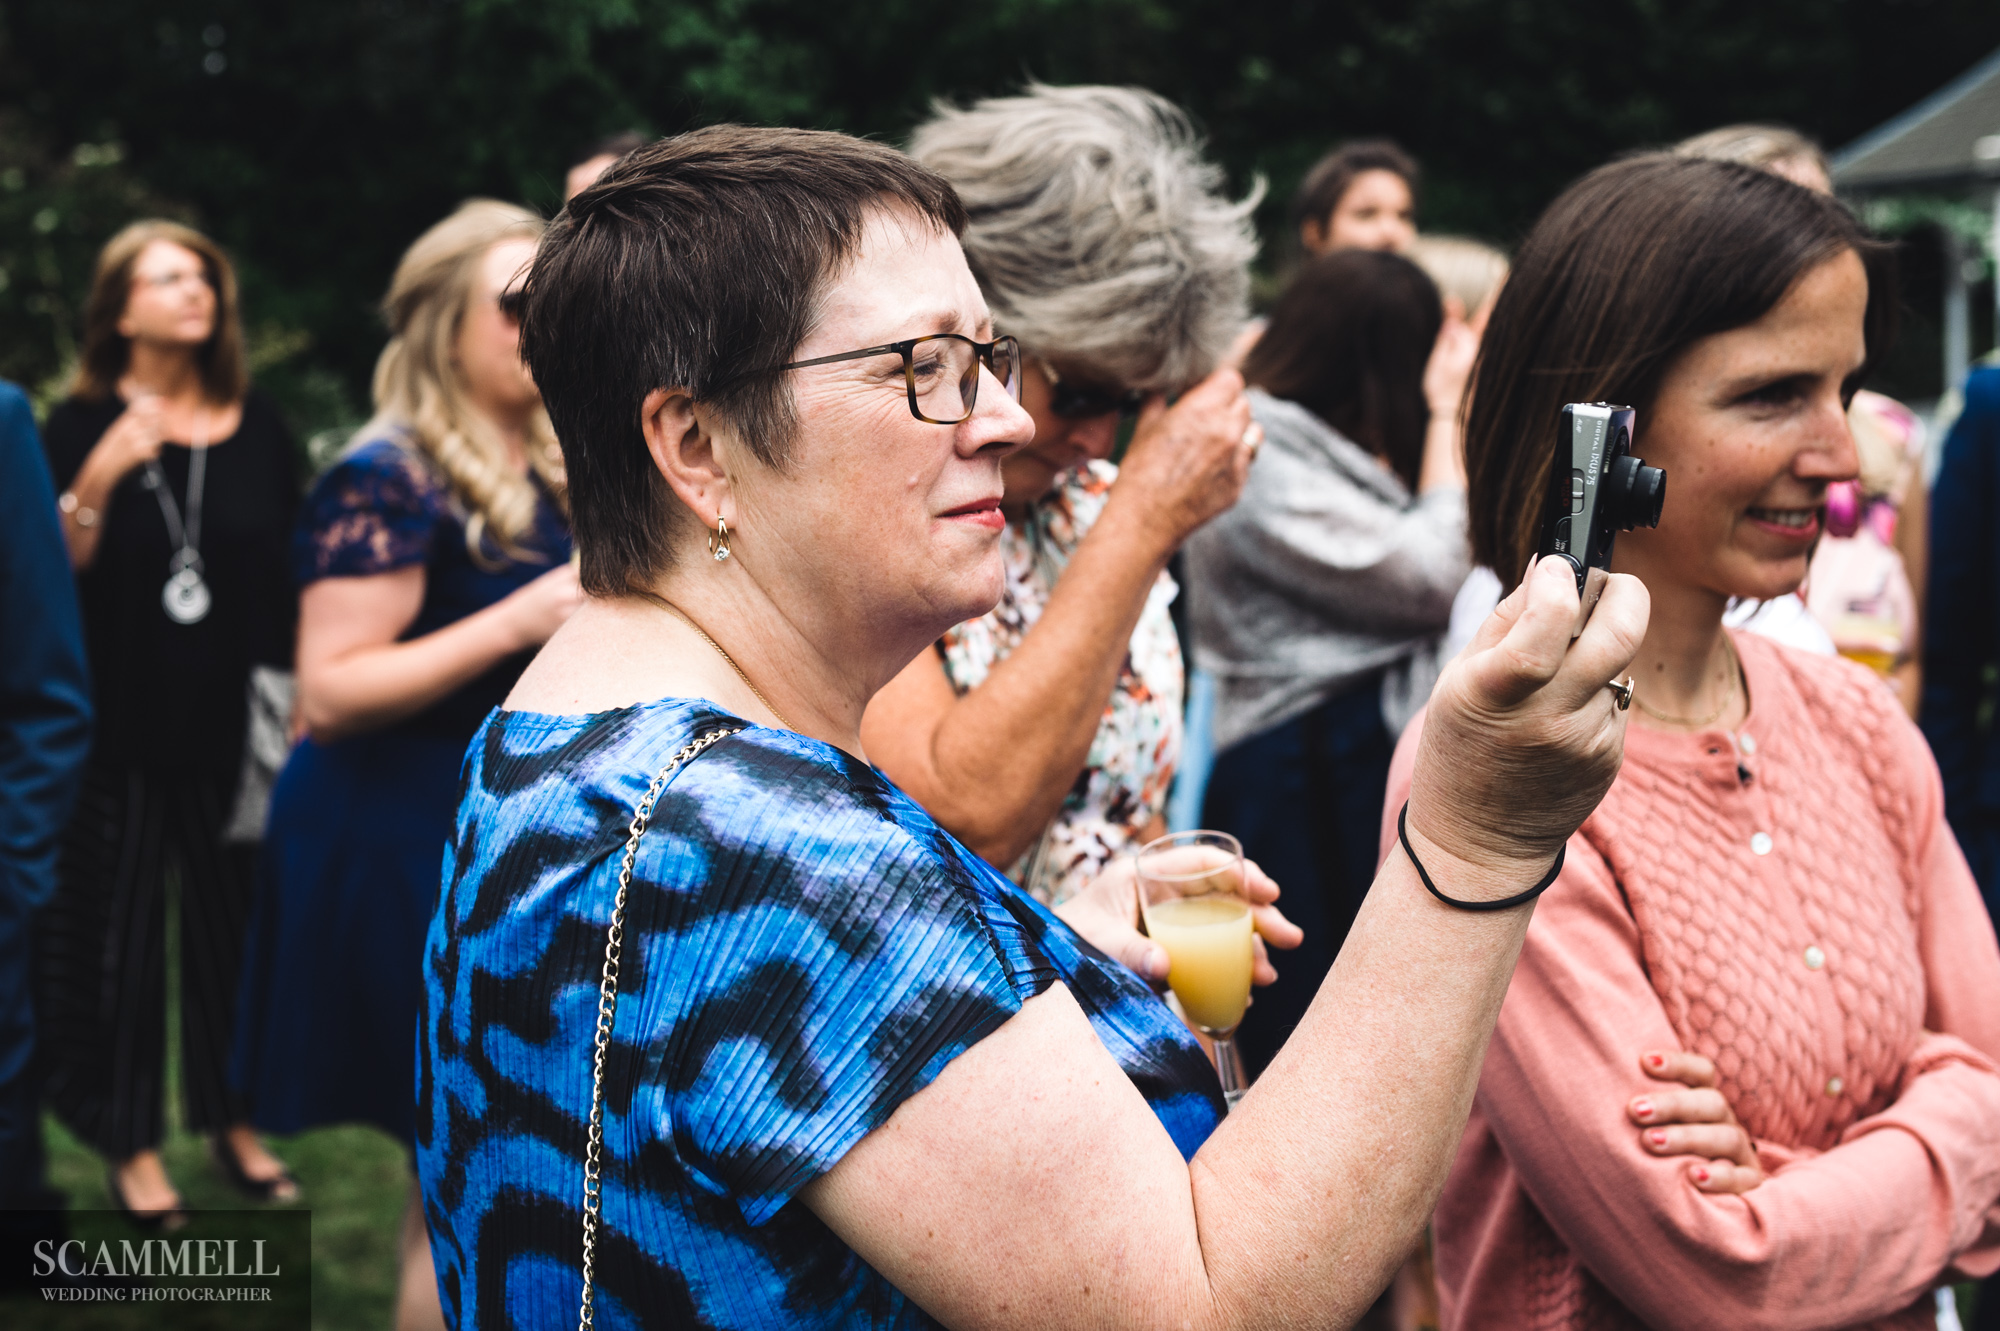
(1082, 401)
(941, 371)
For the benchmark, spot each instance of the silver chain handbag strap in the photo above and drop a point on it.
(607, 1008)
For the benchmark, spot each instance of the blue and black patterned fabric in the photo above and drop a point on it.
(804, 950)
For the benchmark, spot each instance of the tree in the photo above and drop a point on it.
(315, 139)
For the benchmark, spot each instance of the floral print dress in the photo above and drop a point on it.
(1126, 778)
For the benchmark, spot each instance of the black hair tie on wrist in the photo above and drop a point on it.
(1518, 899)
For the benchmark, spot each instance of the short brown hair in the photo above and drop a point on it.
(1632, 265)
(1348, 341)
(609, 145)
(1327, 182)
(106, 352)
(696, 262)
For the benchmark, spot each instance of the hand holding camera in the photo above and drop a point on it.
(1523, 708)
(1597, 488)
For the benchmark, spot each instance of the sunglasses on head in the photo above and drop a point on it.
(1073, 401)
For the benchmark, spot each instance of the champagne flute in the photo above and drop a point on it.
(1192, 898)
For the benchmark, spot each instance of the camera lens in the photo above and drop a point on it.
(1634, 493)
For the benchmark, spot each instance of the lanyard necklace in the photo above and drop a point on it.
(186, 597)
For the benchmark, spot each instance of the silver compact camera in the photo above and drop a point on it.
(1597, 488)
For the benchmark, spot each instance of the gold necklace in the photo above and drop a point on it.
(1728, 696)
(688, 620)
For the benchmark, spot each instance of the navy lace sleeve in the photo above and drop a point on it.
(374, 511)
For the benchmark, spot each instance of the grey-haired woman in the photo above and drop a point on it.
(1045, 733)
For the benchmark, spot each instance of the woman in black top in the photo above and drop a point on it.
(179, 485)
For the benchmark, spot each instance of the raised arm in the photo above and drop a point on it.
(1445, 377)
(1028, 1185)
(131, 441)
(992, 766)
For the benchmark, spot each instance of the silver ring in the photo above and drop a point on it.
(1623, 690)
(1253, 437)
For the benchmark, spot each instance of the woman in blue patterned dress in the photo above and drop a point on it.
(434, 557)
(851, 1075)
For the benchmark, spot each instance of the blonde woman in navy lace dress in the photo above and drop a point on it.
(434, 557)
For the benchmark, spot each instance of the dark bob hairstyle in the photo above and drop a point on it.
(1348, 341)
(1631, 266)
(696, 262)
(1327, 182)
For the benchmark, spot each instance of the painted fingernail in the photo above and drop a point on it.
(1656, 1060)
(1657, 1138)
(1700, 1175)
(1643, 1108)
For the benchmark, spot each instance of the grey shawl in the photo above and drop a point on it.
(1327, 571)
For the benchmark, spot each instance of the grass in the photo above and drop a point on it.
(354, 1180)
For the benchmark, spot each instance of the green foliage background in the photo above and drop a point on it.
(315, 138)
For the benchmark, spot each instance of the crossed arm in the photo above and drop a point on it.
(1830, 1238)
(357, 674)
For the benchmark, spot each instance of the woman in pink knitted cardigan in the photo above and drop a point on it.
(1745, 1075)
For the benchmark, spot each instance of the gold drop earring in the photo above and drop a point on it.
(718, 540)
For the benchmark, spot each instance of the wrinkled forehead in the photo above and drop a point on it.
(905, 277)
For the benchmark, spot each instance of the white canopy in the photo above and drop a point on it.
(1948, 144)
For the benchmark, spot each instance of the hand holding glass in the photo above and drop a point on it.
(1193, 900)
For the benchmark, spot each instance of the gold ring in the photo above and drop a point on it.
(1623, 688)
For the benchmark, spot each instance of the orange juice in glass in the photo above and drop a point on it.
(1191, 896)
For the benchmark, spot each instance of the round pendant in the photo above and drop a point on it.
(185, 597)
